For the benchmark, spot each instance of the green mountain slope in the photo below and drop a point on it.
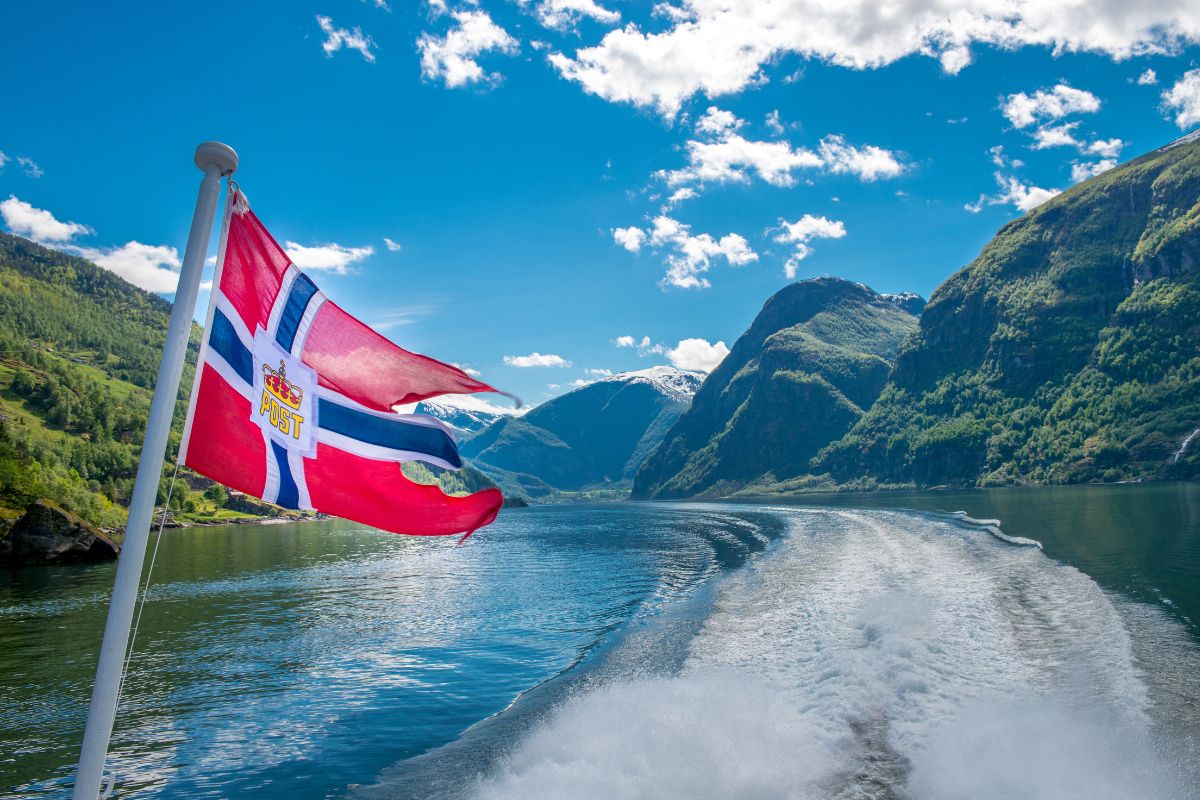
(594, 437)
(1067, 351)
(814, 358)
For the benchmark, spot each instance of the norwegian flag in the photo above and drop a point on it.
(293, 400)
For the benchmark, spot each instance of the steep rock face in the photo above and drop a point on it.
(47, 534)
(596, 435)
(1066, 351)
(814, 358)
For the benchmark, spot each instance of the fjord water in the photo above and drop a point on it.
(843, 648)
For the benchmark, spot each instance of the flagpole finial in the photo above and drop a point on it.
(216, 153)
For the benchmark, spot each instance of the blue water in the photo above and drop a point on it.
(626, 650)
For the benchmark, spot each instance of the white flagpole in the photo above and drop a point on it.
(215, 160)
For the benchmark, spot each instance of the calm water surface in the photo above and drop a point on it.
(853, 647)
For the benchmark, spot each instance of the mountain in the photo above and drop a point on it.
(1068, 351)
(465, 413)
(79, 348)
(593, 437)
(814, 358)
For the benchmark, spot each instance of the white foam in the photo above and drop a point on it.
(875, 649)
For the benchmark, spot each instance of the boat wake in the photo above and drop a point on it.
(876, 654)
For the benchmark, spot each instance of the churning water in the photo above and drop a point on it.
(640, 651)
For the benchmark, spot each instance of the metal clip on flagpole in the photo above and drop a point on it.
(215, 160)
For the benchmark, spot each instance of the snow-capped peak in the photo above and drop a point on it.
(669, 380)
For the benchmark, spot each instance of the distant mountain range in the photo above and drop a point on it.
(465, 413)
(593, 438)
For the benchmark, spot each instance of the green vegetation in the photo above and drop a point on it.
(1066, 352)
(817, 354)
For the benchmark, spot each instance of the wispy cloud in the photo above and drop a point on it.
(350, 38)
(536, 360)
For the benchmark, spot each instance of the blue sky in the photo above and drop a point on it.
(523, 156)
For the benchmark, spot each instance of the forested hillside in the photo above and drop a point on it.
(79, 350)
(1068, 351)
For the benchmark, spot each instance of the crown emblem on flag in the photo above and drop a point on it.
(281, 388)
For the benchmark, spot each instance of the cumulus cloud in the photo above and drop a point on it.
(536, 360)
(38, 224)
(697, 354)
(452, 57)
(1055, 136)
(1183, 99)
(627, 341)
(565, 14)
(631, 238)
(718, 47)
(722, 155)
(1047, 105)
(774, 125)
(1082, 170)
(801, 232)
(1012, 191)
(1147, 78)
(691, 255)
(154, 268)
(1108, 148)
(335, 258)
(352, 39)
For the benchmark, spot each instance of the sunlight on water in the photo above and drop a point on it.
(630, 650)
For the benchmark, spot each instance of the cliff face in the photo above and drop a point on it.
(814, 358)
(1066, 351)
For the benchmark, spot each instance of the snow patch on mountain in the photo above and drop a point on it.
(671, 381)
(464, 412)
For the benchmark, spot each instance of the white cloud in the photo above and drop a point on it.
(773, 123)
(718, 47)
(801, 232)
(154, 268)
(352, 39)
(1184, 99)
(1108, 148)
(868, 163)
(536, 360)
(400, 316)
(1012, 191)
(721, 155)
(1147, 78)
(3, 159)
(452, 57)
(392, 246)
(1082, 170)
(630, 238)
(717, 122)
(333, 257)
(1055, 136)
(565, 14)
(38, 224)
(382, 5)
(625, 341)
(1023, 110)
(693, 254)
(679, 195)
(30, 166)
(599, 373)
(697, 354)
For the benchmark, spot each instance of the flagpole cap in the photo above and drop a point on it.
(219, 154)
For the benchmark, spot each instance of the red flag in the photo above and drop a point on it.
(293, 400)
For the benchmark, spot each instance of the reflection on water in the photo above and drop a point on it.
(876, 652)
(296, 660)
